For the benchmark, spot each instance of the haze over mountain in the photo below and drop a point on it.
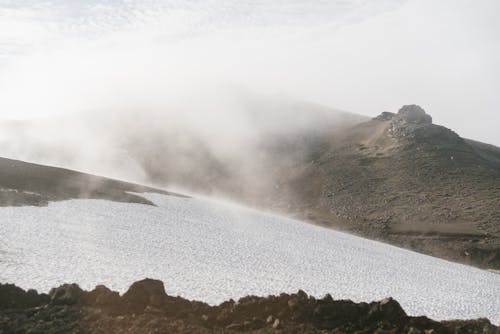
(397, 177)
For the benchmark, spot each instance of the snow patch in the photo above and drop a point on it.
(211, 251)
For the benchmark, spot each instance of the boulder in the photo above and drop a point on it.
(66, 294)
(385, 116)
(148, 292)
(387, 309)
(103, 297)
(12, 296)
(414, 114)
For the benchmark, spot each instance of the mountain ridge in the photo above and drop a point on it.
(397, 177)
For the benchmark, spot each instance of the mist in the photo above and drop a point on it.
(184, 94)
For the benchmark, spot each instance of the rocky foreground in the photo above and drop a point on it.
(146, 308)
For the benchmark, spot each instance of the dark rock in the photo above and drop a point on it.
(414, 114)
(66, 294)
(12, 296)
(143, 293)
(385, 116)
(387, 309)
(72, 310)
(234, 327)
(102, 296)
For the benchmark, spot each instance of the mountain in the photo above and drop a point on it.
(397, 177)
(212, 252)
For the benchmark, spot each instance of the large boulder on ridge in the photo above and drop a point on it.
(141, 294)
(413, 113)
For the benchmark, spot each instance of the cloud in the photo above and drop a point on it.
(356, 55)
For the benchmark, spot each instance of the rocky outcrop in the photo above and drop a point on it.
(66, 294)
(146, 308)
(413, 113)
(411, 124)
(148, 292)
(12, 296)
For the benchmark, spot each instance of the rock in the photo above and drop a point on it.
(413, 330)
(328, 298)
(255, 323)
(414, 114)
(182, 316)
(66, 294)
(234, 327)
(387, 309)
(143, 293)
(293, 303)
(12, 296)
(102, 296)
(385, 116)
(301, 295)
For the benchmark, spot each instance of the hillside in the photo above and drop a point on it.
(23, 183)
(402, 179)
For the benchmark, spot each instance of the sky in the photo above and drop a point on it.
(61, 57)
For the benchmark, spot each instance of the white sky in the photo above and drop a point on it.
(362, 56)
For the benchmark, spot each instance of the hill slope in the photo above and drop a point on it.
(402, 179)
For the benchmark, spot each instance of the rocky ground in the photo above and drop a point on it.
(146, 308)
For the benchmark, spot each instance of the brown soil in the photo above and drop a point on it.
(146, 308)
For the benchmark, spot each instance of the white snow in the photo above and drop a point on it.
(211, 251)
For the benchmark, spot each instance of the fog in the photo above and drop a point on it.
(134, 89)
